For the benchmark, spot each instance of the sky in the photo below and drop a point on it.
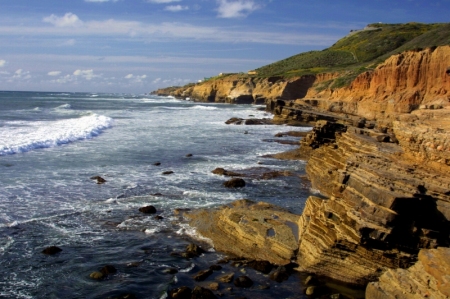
(137, 46)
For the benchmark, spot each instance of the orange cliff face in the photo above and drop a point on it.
(401, 84)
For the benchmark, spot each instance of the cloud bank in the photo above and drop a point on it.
(236, 9)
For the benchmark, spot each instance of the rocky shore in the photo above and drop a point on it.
(379, 154)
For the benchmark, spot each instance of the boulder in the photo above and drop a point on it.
(202, 293)
(97, 275)
(227, 278)
(243, 282)
(51, 250)
(262, 266)
(180, 293)
(202, 275)
(148, 210)
(280, 274)
(99, 179)
(108, 269)
(256, 231)
(235, 183)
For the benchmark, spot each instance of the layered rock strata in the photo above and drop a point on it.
(235, 89)
(257, 231)
(428, 278)
(380, 156)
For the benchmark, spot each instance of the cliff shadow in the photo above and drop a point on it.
(419, 224)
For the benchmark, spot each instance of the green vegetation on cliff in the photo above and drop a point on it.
(361, 50)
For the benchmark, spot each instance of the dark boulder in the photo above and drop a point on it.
(235, 121)
(167, 172)
(180, 293)
(99, 179)
(243, 282)
(262, 266)
(157, 163)
(280, 274)
(215, 267)
(51, 250)
(235, 183)
(202, 275)
(202, 293)
(221, 171)
(108, 269)
(194, 249)
(148, 210)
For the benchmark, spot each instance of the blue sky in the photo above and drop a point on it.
(136, 46)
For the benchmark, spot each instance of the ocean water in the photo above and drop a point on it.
(52, 143)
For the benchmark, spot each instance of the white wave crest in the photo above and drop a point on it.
(63, 107)
(199, 107)
(40, 134)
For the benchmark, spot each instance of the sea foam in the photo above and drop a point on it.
(22, 137)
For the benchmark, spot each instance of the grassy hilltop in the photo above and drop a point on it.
(361, 49)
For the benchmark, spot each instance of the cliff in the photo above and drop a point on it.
(236, 89)
(402, 84)
(379, 154)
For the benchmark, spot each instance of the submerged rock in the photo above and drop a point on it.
(99, 179)
(180, 293)
(202, 293)
(262, 266)
(51, 250)
(202, 275)
(148, 210)
(108, 269)
(235, 183)
(243, 282)
(97, 275)
(227, 278)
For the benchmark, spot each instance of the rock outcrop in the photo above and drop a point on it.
(235, 89)
(257, 231)
(428, 278)
(402, 84)
(380, 156)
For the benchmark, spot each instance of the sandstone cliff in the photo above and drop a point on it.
(380, 156)
(401, 84)
(235, 89)
(428, 278)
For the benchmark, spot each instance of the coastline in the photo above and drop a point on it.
(379, 154)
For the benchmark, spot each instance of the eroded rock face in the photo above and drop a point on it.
(428, 278)
(380, 209)
(401, 84)
(244, 90)
(257, 231)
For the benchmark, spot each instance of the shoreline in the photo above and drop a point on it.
(365, 258)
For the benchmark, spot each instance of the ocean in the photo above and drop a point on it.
(51, 144)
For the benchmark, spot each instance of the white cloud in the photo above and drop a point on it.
(68, 20)
(162, 1)
(2, 63)
(100, 0)
(236, 9)
(168, 31)
(54, 73)
(136, 78)
(21, 74)
(86, 74)
(176, 8)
